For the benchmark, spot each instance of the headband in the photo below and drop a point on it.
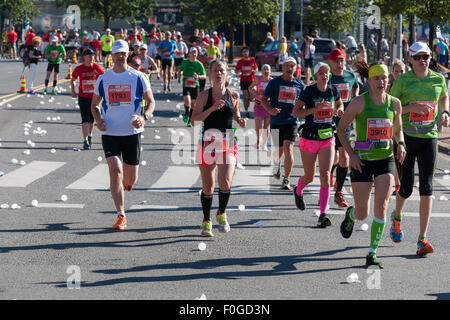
(378, 70)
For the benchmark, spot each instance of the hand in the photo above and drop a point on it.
(339, 112)
(195, 76)
(355, 162)
(218, 105)
(319, 106)
(420, 108)
(274, 111)
(401, 153)
(139, 122)
(445, 120)
(101, 125)
(242, 122)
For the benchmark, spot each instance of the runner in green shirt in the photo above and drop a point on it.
(107, 41)
(54, 52)
(192, 70)
(421, 91)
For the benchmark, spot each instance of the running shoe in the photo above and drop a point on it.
(90, 140)
(223, 225)
(247, 115)
(86, 145)
(371, 260)
(396, 229)
(424, 247)
(299, 200)
(339, 199)
(31, 92)
(54, 92)
(207, 228)
(121, 223)
(347, 224)
(189, 124)
(186, 117)
(277, 171)
(44, 92)
(168, 88)
(323, 221)
(285, 185)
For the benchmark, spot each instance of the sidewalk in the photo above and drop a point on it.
(444, 140)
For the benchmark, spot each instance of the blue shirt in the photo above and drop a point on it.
(168, 49)
(293, 49)
(283, 95)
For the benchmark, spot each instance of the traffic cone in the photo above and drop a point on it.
(74, 59)
(23, 85)
(69, 72)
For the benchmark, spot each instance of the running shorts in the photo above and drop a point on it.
(127, 147)
(85, 109)
(53, 67)
(372, 169)
(285, 132)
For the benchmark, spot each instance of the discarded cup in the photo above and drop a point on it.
(34, 203)
(364, 227)
(352, 278)
(241, 207)
(63, 197)
(201, 246)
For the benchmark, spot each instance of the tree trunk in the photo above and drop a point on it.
(431, 37)
(412, 37)
(231, 53)
(2, 23)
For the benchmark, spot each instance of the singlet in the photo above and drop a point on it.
(221, 119)
(374, 129)
(260, 87)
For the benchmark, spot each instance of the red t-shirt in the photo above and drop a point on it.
(131, 36)
(46, 37)
(216, 41)
(12, 37)
(246, 67)
(88, 76)
(29, 37)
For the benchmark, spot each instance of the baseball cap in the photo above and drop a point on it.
(88, 51)
(320, 65)
(419, 47)
(137, 44)
(108, 30)
(55, 39)
(290, 59)
(143, 46)
(168, 33)
(335, 54)
(120, 46)
(193, 49)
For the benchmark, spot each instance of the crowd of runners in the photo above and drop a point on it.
(376, 134)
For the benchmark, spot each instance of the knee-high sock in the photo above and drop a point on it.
(324, 197)
(376, 233)
(341, 174)
(206, 201)
(300, 187)
(224, 196)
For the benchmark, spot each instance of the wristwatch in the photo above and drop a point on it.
(401, 143)
(145, 117)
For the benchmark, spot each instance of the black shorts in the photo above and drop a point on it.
(158, 57)
(202, 83)
(85, 109)
(178, 61)
(53, 67)
(245, 85)
(284, 132)
(127, 147)
(105, 53)
(308, 63)
(372, 169)
(167, 63)
(193, 92)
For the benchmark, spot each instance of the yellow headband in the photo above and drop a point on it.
(378, 70)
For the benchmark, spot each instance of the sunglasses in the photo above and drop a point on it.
(424, 57)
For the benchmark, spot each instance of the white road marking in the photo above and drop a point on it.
(29, 173)
(96, 179)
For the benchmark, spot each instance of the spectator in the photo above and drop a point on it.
(216, 39)
(362, 55)
(223, 45)
(269, 39)
(283, 54)
(308, 50)
(316, 34)
(405, 48)
(384, 46)
(29, 38)
(442, 51)
(292, 48)
(12, 43)
(351, 44)
(45, 39)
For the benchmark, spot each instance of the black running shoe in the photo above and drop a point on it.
(90, 140)
(299, 200)
(323, 221)
(371, 260)
(347, 224)
(86, 145)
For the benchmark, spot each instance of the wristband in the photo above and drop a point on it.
(402, 143)
(145, 117)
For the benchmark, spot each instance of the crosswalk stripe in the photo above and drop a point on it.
(61, 205)
(176, 179)
(406, 214)
(251, 181)
(27, 174)
(96, 179)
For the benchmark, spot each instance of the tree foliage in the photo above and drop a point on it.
(18, 11)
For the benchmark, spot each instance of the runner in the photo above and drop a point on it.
(212, 51)
(283, 92)
(203, 58)
(317, 104)
(217, 108)
(180, 54)
(34, 55)
(262, 117)
(88, 72)
(167, 48)
(421, 91)
(346, 82)
(119, 92)
(12, 43)
(53, 53)
(308, 50)
(378, 121)
(107, 41)
(193, 71)
(246, 67)
(147, 65)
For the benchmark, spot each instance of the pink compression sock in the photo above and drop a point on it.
(324, 197)
(300, 187)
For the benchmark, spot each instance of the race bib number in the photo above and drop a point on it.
(417, 119)
(287, 94)
(54, 53)
(190, 82)
(261, 87)
(325, 114)
(107, 40)
(344, 91)
(379, 129)
(119, 94)
(167, 54)
(88, 86)
(215, 142)
(246, 70)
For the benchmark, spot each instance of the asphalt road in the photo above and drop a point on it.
(68, 250)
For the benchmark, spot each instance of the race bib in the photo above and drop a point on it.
(344, 91)
(167, 54)
(246, 70)
(87, 86)
(107, 40)
(325, 114)
(287, 94)
(54, 53)
(417, 119)
(119, 94)
(190, 82)
(211, 57)
(379, 129)
(215, 142)
(261, 87)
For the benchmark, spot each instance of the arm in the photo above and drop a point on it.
(237, 115)
(153, 65)
(95, 109)
(398, 131)
(444, 105)
(265, 104)
(300, 111)
(72, 85)
(197, 111)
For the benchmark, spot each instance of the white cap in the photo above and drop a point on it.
(143, 45)
(419, 47)
(120, 46)
(193, 49)
(55, 39)
(320, 65)
(108, 30)
(137, 43)
(215, 33)
(290, 59)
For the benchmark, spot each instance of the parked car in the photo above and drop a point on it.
(269, 54)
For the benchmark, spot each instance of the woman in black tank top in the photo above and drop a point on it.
(217, 108)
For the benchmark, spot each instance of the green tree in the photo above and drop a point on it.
(334, 15)
(107, 10)
(212, 13)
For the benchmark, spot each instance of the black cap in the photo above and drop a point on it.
(88, 51)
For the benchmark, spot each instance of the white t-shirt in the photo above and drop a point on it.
(122, 97)
(182, 50)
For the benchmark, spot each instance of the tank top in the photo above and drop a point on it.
(221, 119)
(374, 129)
(260, 87)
